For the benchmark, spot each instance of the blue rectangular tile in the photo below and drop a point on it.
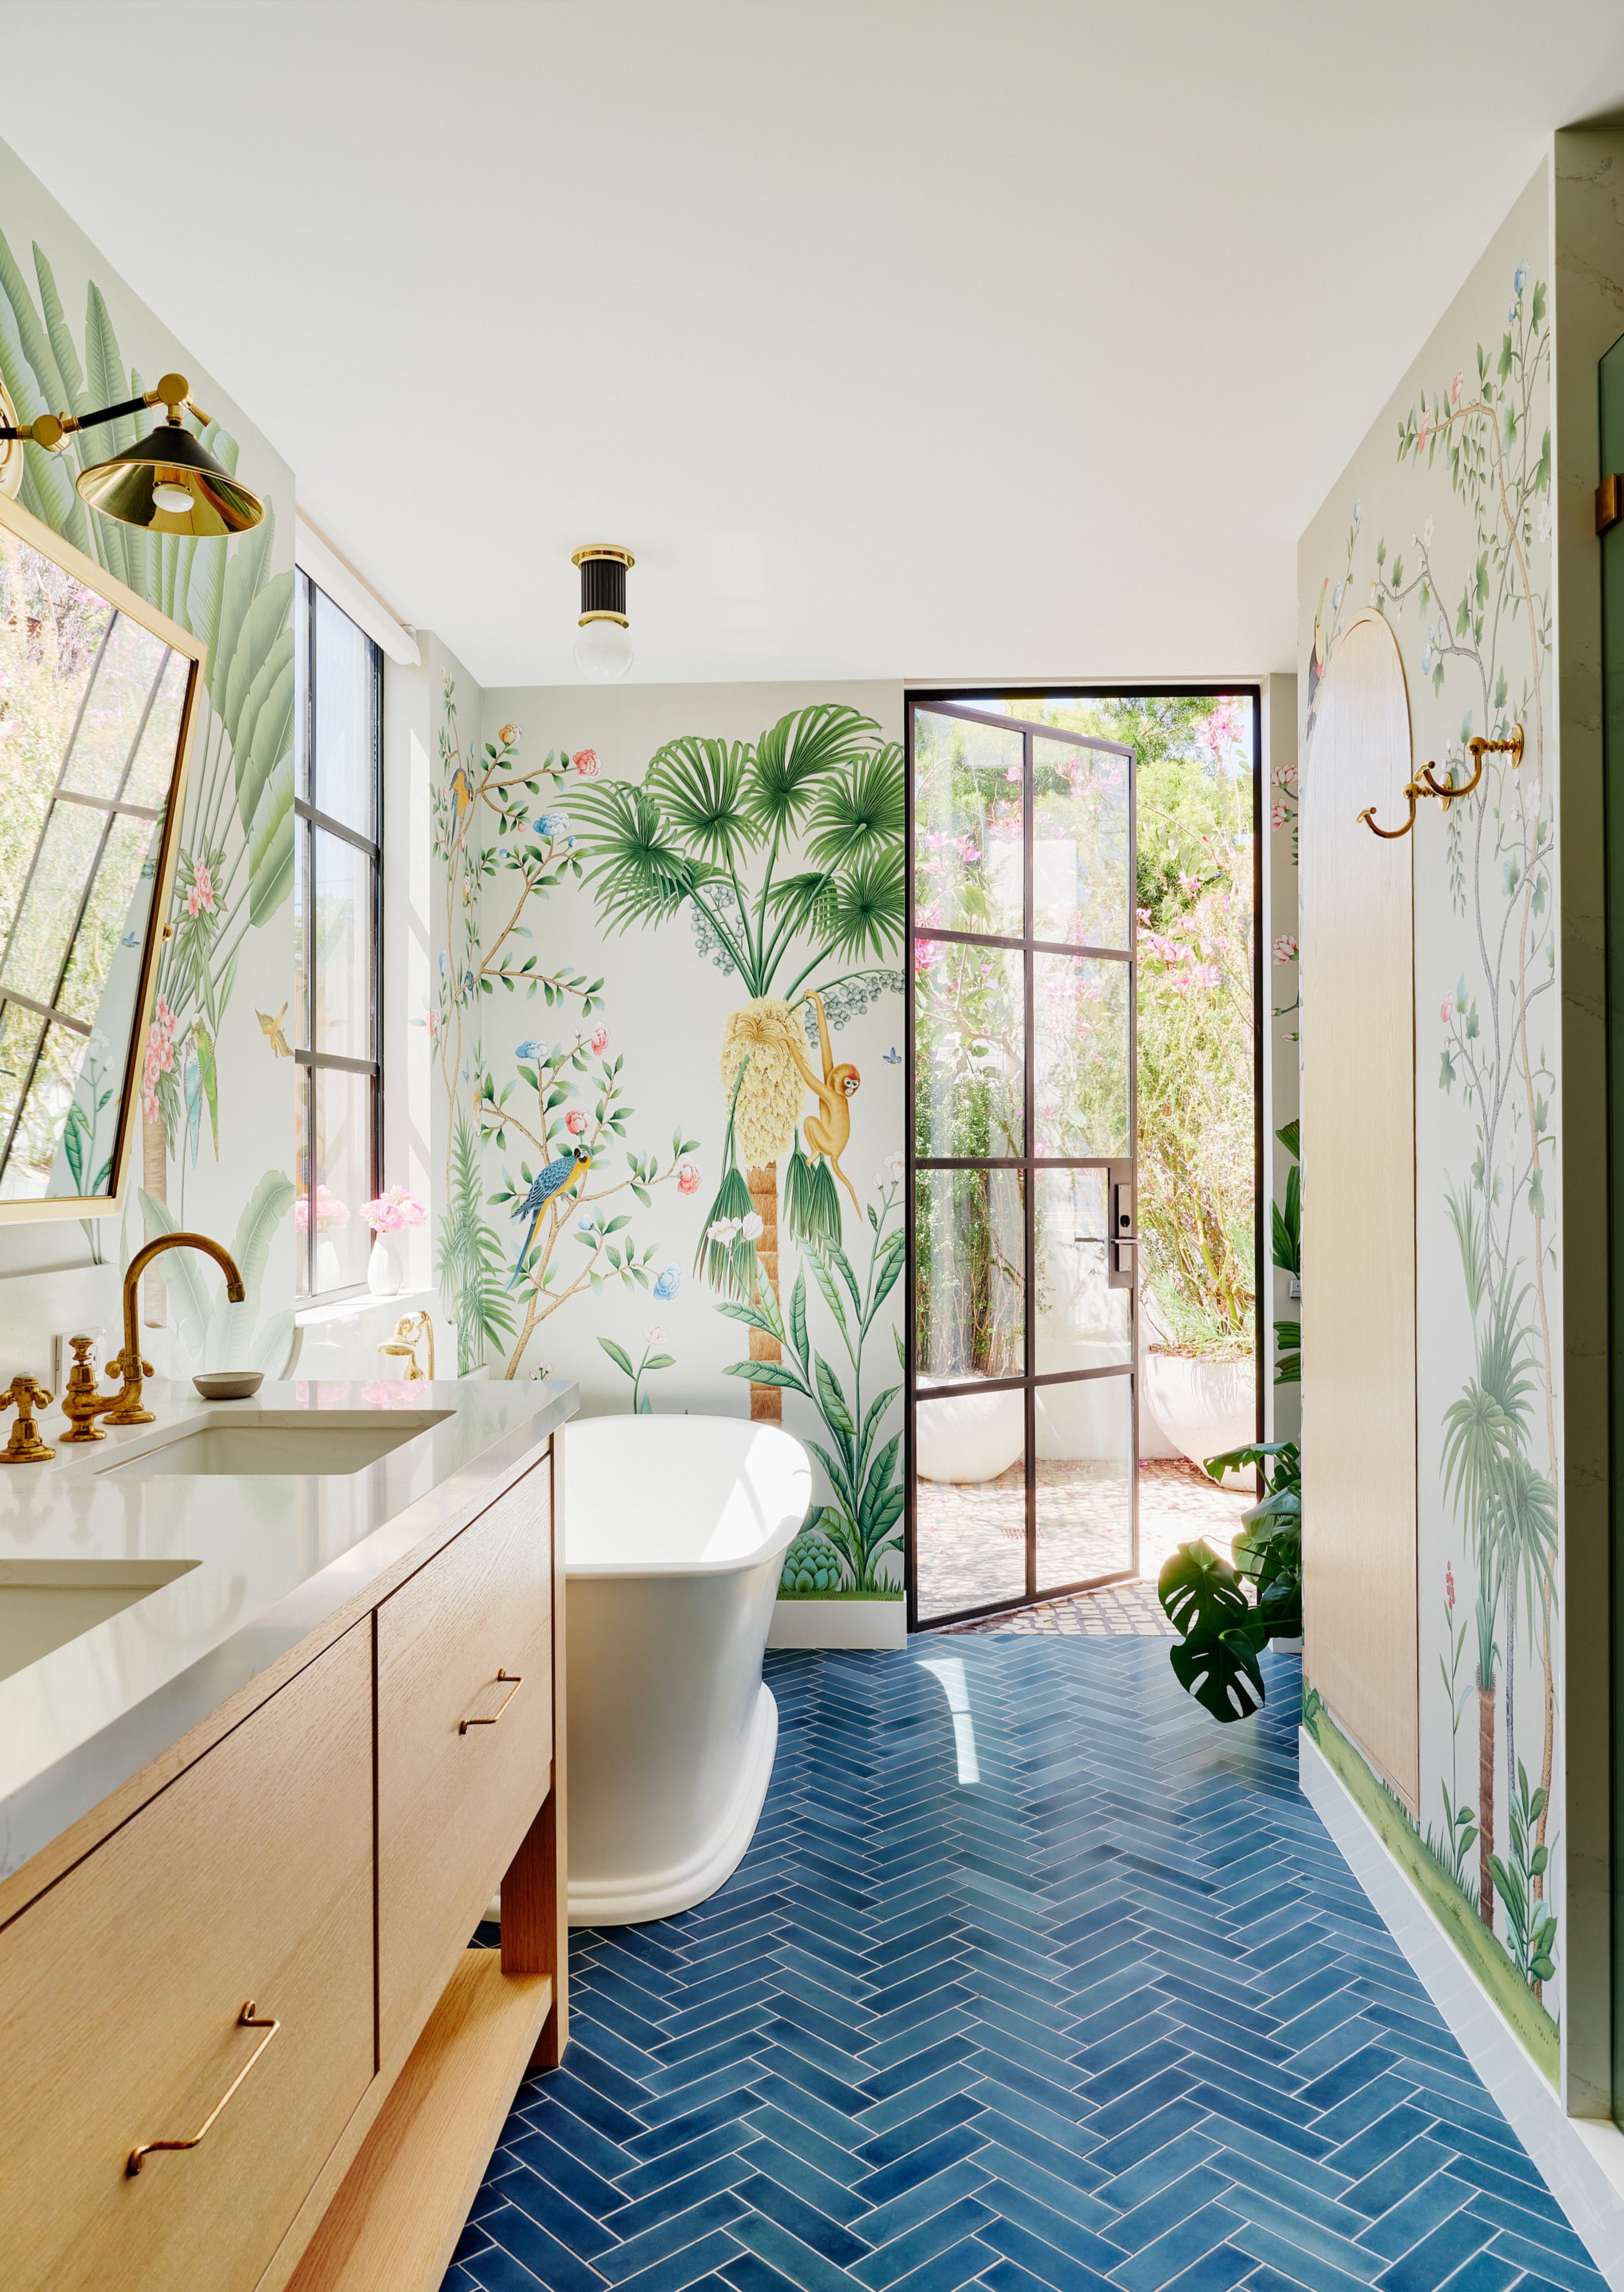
(527, 2242)
(1016, 2170)
(1434, 2258)
(1048, 2262)
(915, 2131)
(1167, 2207)
(1294, 2270)
(696, 2264)
(805, 2268)
(669, 2236)
(676, 2194)
(1555, 2267)
(954, 2223)
(919, 2165)
(1417, 2214)
(923, 2201)
(1176, 2251)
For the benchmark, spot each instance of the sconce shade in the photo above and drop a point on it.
(170, 457)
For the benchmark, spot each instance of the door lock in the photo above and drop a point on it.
(1122, 1239)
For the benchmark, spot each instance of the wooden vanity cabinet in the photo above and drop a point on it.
(324, 1861)
(250, 1879)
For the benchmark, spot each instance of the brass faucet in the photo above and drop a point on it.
(82, 1402)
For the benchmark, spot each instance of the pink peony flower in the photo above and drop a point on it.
(1285, 948)
(574, 1123)
(1278, 815)
(1445, 1011)
(393, 1210)
(585, 762)
(600, 1042)
(200, 899)
(688, 1178)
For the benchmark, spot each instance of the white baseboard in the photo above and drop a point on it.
(1580, 2157)
(839, 1623)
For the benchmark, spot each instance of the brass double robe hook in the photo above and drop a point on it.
(1447, 792)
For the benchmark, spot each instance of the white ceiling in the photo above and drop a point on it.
(902, 338)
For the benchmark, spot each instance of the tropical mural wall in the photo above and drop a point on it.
(1444, 521)
(216, 1100)
(666, 1021)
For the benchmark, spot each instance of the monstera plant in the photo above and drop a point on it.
(1227, 1611)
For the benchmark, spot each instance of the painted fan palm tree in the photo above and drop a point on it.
(236, 849)
(786, 851)
(1507, 1506)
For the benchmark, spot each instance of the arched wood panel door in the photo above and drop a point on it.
(1358, 1246)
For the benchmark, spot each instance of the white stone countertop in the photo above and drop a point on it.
(276, 1554)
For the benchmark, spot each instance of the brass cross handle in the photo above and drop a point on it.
(514, 1680)
(1447, 792)
(250, 2018)
(25, 1394)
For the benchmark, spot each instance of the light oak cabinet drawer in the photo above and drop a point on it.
(462, 1754)
(248, 1878)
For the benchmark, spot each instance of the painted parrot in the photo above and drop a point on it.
(462, 795)
(556, 1179)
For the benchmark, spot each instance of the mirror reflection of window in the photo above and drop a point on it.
(92, 703)
(336, 1023)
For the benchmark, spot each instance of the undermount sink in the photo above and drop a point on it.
(333, 1442)
(44, 1603)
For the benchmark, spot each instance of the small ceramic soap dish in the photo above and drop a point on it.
(230, 1384)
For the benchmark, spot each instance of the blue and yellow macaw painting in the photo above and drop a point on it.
(462, 795)
(555, 1179)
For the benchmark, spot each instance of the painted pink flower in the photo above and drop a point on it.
(585, 762)
(1446, 1011)
(688, 1178)
(600, 1042)
(927, 954)
(1285, 948)
(574, 1123)
(200, 899)
(1455, 389)
(1449, 1573)
(1278, 815)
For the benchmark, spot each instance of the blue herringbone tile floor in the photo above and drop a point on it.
(1073, 1995)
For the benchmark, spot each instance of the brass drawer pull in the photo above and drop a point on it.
(248, 2019)
(515, 1680)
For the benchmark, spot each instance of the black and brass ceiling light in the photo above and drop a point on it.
(166, 483)
(603, 642)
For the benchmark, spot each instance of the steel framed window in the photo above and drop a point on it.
(338, 1004)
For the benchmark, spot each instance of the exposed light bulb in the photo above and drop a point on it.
(603, 650)
(176, 500)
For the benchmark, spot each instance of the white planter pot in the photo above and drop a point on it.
(1205, 1407)
(385, 1273)
(974, 1436)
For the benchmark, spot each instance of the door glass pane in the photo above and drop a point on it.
(969, 1049)
(970, 1454)
(1080, 1055)
(1081, 890)
(345, 994)
(967, 860)
(1081, 1321)
(1085, 1479)
(969, 1252)
(343, 718)
(342, 1177)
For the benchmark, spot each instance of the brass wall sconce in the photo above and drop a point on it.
(1447, 792)
(408, 1329)
(167, 483)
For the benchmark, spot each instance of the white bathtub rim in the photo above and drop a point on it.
(773, 1541)
(661, 1893)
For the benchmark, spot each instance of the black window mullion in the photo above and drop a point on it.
(1028, 1163)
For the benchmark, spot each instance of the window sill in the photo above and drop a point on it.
(355, 1305)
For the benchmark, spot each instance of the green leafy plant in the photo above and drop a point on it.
(469, 1262)
(651, 1361)
(1222, 1629)
(861, 1523)
(1287, 1221)
(1531, 1923)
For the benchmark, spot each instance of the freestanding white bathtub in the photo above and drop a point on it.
(675, 1529)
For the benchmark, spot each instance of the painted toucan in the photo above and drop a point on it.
(557, 1178)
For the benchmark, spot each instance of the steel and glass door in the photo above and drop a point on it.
(1022, 1431)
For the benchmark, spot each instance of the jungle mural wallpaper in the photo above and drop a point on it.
(1444, 525)
(211, 1090)
(663, 1170)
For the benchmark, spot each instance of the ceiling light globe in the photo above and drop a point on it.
(603, 650)
(176, 499)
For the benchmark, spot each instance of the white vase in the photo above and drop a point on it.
(1205, 1407)
(384, 1272)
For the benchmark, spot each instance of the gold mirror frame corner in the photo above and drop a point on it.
(44, 539)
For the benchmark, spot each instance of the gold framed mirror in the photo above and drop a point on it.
(98, 698)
